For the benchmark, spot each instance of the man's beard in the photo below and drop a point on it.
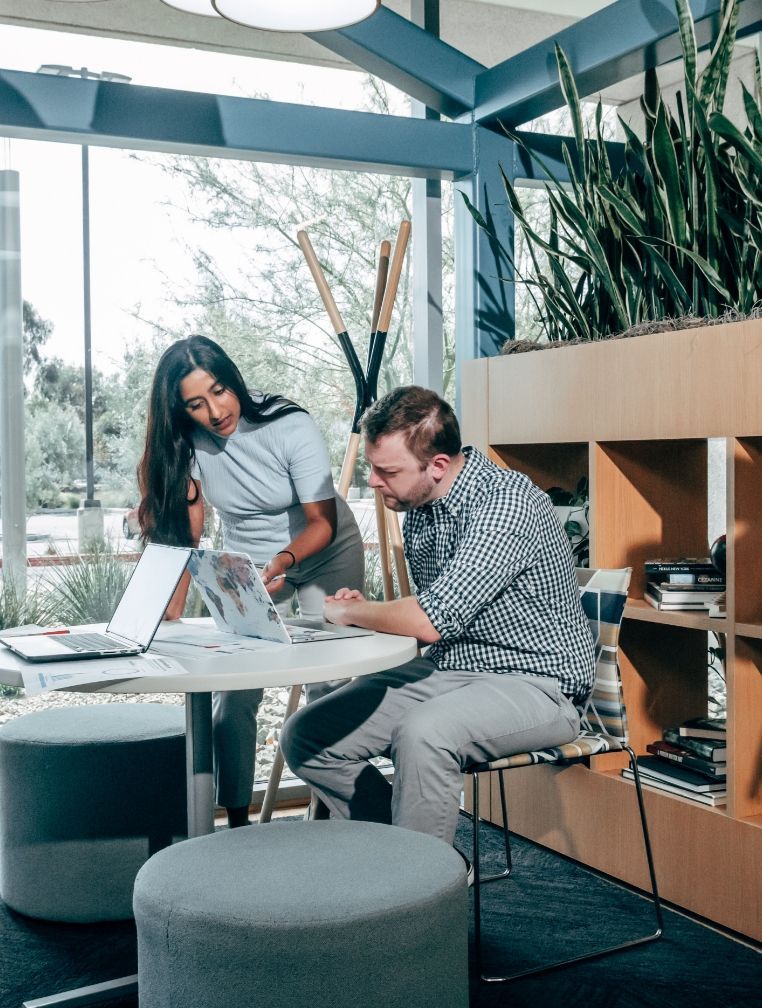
(420, 494)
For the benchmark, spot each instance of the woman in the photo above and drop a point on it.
(261, 462)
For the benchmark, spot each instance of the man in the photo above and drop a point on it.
(509, 648)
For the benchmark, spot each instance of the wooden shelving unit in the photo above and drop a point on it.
(634, 416)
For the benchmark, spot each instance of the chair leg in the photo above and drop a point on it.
(506, 833)
(477, 869)
(480, 880)
(505, 872)
(649, 854)
(654, 894)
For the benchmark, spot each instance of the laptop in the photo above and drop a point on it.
(239, 603)
(134, 623)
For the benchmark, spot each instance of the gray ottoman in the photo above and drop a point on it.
(87, 795)
(322, 914)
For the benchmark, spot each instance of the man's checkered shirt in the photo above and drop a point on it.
(494, 574)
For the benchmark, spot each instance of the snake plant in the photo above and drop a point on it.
(677, 231)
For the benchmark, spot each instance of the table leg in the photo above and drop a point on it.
(198, 763)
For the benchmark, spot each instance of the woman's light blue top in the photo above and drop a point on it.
(258, 479)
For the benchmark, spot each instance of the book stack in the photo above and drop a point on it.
(683, 584)
(688, 761)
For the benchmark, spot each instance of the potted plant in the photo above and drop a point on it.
(676, 234)
(572, 509)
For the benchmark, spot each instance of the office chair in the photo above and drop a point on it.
(603, 594)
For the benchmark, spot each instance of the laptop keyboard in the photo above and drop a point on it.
(89, 642)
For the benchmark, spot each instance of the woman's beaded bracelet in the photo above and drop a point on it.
(293, 558)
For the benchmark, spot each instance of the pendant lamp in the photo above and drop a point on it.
(203, 7)
(283, 15)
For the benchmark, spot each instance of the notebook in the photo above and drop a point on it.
(134, 623)
(239, 603)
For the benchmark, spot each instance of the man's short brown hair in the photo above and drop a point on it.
(427, 421)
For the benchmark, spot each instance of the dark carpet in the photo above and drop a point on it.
(551, 908)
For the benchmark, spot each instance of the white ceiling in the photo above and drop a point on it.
(570, 8)
(487, 31)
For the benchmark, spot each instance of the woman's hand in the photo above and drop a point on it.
(274, 573)
(173, 611)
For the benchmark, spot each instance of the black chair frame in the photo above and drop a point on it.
(480, 880)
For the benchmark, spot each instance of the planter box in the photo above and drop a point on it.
(704, 382)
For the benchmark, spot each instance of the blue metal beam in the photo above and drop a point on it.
(71, 109)
(484, 293)
(409, 58)
(548, 151)
(615, 43)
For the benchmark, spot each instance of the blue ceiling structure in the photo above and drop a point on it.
(468, 146)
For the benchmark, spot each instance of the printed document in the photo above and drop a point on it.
(38, 679)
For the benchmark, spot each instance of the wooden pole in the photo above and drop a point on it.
(383, 548)
(273, 782)
(348, 465)
(398, 553)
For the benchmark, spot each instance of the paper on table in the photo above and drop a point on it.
(184, 638)
(59, 676)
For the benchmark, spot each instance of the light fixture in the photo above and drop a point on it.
(203, 7)
(283, 15)
(59, 70)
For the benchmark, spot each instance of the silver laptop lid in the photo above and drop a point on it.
(148, 593)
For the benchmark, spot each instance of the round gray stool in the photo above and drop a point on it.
(327, 914)
(87, 795)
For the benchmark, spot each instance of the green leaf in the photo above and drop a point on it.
(752, 113)
(733, 223)
(676, 288)
(665, 160)
(687, 41)
(488, 228)
(475, 213)
(714, 79)
(710, 273)
(571, 97)
(751, 191)
(651, 98)
(707, 215)
(629, 214)
(728, 131)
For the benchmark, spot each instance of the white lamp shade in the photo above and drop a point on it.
(203, 7)
(296, 15)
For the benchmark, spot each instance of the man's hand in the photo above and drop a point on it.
(340, 608)
(398, 616)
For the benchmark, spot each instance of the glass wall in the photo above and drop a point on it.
(180, 245)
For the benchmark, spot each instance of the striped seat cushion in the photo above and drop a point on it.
(585, 744)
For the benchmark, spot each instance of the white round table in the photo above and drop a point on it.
(209, 670)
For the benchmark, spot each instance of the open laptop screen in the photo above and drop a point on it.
(145, 598)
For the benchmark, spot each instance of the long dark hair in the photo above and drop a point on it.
(165, 466)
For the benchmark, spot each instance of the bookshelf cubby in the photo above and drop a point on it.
(635, 416)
